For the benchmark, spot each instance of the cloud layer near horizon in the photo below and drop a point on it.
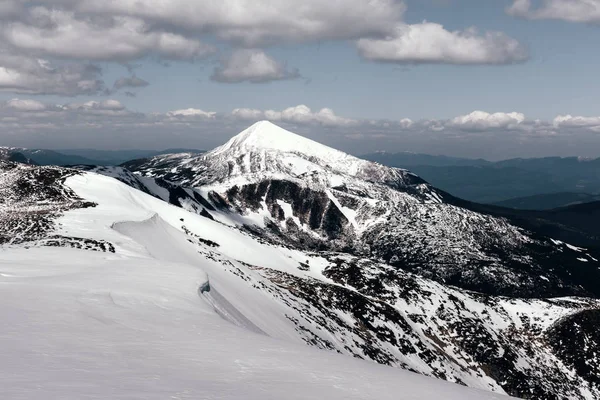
(29, 122)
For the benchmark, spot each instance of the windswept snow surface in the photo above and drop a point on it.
(79, 325)
(159, 320)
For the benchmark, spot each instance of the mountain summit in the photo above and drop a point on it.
(266, 151)
(264, 135)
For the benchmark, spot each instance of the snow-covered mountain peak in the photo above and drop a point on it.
(265, 136)
(266, 151)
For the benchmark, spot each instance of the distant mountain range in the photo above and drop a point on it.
(116, 157)
(408, 158)
(505, 181)
(83, 156)
(11, 154)
(548, 201)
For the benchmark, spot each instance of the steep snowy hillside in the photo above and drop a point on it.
(83, 325)
(297, 192)
(150, 315)
(130, 286)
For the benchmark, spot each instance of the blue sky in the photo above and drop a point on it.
(542, 65)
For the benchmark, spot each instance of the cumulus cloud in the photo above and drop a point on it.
(23, 74)
(59, 33)
(586, 11)
(481, 120)
(251, 65)
(569, 121)
(191, 113)
(25, 105)
(255, 23)
(406, 123)
(131, 82)
(103, 108)
(431, 43)
(91, 31)
(109, 104)
(303, 114)
(248, 114)
(300, 114)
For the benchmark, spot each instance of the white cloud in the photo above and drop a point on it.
(435, 126)
(481, 120)
(569, 121)
(585, 11)
(23, 74)
(432, 43)
(130, 81)
(191, 113)
(251, 65)
(301, 115)
(255, 23)
(60, 33)
(105, 108)
(127, 30)
(25, 105)
(406, 123)
(248, 114)
(110, 104)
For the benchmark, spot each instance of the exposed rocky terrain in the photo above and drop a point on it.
(31, 198)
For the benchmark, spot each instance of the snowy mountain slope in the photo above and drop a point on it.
(84, 325)
(297, 192)
(129, 324)
(334, 301)
(188, 198)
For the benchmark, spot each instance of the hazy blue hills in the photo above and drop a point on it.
(548, 201)
(93, 157)
(406, 158)
(492, 182)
